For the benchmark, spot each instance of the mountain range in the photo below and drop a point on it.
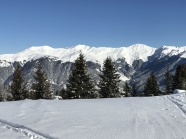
(134, 63)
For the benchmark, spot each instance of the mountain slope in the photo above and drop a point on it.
(134, 63)
(166, 57)
(170, 51)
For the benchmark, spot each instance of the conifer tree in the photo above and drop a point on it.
(168, 82)
(63, 93)
(109, 80)
(151, 86)
(79, 83)
(1, 96)
(127, 89)
(134, 91)
(1, 93)
(180, 77)
(17, 87)
(41, 88)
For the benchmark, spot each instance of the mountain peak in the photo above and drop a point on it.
(81, 47)
(138, 45)
(39, 48)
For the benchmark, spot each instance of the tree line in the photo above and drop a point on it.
(81, 86)
(171, 82)
(40, 89)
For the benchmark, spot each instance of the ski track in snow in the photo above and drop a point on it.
(181, 105)
(162, 117)
(25, 131)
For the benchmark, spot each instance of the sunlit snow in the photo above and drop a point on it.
(162, 117)
(95, 54)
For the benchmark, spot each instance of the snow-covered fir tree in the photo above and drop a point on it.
(109, 80)
(41, 89)
(151, 86)
(79, 83)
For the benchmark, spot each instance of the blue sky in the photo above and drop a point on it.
(112, 23)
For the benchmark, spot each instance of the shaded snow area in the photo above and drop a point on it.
(162, 117)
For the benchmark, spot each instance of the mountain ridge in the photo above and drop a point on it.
(96, 54)
(66, 54)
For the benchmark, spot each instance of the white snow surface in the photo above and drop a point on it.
(95, 54)
(162, 117)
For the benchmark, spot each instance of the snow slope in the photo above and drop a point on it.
(95, 54)
(161, 117)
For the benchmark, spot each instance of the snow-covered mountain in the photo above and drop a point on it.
(94, 54)
(170, 51)
(134, 63)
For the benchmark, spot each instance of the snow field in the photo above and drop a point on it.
(162, 117)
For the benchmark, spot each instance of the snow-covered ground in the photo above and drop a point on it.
(162, 117)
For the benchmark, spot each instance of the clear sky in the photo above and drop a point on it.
(112, 23)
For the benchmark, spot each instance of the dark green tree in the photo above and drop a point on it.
(151, 86)
(1, 96)
(79, 83)
(63, 93)
(168, 82)
(180, 77)
(1, 92)
(134, 92)
(41, 89)
(127, 89)
(109, 80)
(17, 87)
